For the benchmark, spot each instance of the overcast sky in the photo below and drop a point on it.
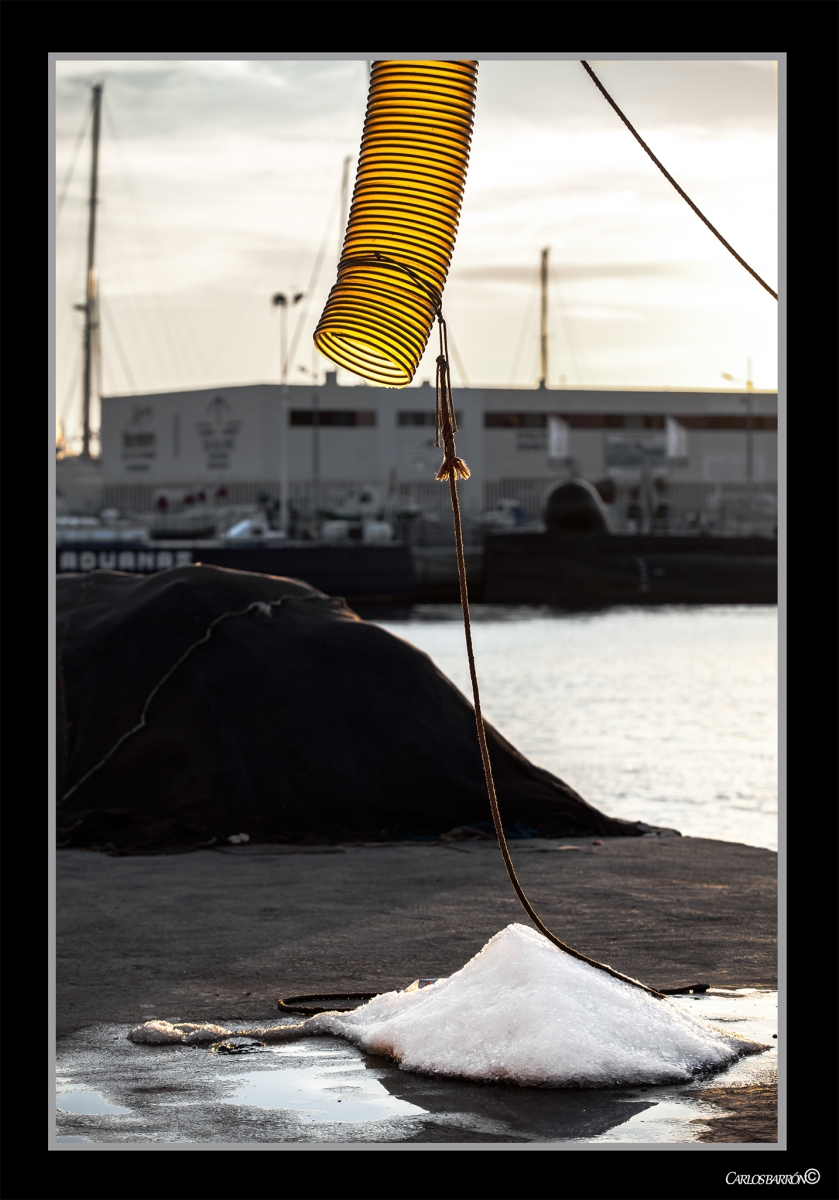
(220, 181)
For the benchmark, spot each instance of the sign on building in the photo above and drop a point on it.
(677, 440)
(558, 438)
(631, 451)
(139, 440)
(217, 433)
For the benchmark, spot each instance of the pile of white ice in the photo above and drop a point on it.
(521, 1011)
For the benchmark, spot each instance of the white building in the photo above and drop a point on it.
(239, 442)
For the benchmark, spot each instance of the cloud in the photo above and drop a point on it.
(168, 99)
(526, 274)
(714, 96)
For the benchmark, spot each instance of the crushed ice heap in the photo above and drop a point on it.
(522, 1011)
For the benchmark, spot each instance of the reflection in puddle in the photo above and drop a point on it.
(322, 1093)
(665, 1121)
(305, 1091)
(747, 1011)
(753, 1014)
(80, 1100)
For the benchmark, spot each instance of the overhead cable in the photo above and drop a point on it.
(669, 177)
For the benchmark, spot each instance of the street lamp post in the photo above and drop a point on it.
(283, 302)
(315, 500)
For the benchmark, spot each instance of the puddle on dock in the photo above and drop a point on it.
(83, 1100)
(110, 1090)
(345, 1092)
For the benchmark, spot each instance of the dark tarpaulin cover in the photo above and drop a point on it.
(295, 722)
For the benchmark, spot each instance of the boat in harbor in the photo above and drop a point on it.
(352, 569)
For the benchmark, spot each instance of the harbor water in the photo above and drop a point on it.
(664, 715)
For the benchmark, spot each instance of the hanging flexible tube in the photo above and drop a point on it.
(403, 219)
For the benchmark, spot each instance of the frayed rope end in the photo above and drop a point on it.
(461, 471)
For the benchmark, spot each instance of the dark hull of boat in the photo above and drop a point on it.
(592, 570)
(353, 570)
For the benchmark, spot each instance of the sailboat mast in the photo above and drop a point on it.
(543, 324)
(90, 282)
(342, 216)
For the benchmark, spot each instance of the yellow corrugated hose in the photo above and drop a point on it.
(403, 219)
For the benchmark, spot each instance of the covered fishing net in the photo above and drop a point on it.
(200, 702)
(521, 1011)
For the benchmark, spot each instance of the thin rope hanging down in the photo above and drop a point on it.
(670, 178)
(454, 468)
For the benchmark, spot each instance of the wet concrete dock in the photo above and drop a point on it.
(220, 934)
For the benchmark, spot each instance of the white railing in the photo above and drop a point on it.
(421, 511)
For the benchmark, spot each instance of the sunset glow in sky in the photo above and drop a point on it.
(220, 180)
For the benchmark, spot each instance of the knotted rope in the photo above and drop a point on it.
(454, 468)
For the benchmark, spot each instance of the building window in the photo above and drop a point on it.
(624, 421)
(515, 420)
(422, 418)
(330, 417)
(416, 418)
(737, 422)
(614, 420)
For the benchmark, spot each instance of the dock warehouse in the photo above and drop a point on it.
(328, 440)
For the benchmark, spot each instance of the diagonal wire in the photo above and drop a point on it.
(313, 283)
(572, 343)
(68, 180)
(524, 327)
(112, 326)
(669, 177)
(300, 312)
(173, 338)
(74, 382)
(461, 370)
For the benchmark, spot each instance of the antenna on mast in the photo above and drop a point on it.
(90, 307)
(543, 325)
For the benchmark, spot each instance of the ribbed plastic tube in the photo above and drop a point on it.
(403, 219)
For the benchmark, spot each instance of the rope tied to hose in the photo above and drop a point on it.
(446, 422)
